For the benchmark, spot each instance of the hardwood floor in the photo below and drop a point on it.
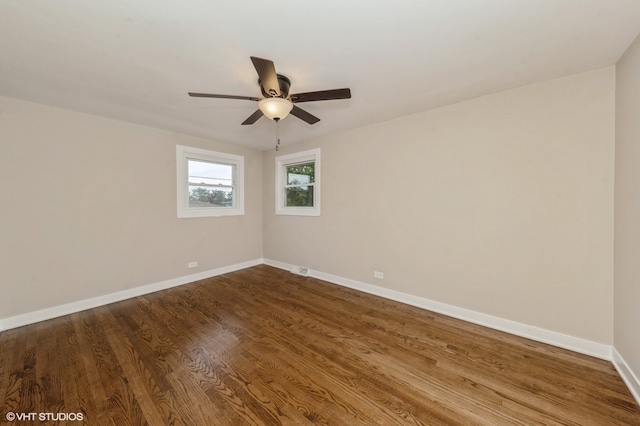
(263, 346)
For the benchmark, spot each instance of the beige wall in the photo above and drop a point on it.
(502, 205)
(627, 209)
(89, 208)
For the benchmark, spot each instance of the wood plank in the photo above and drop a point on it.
(263, 346)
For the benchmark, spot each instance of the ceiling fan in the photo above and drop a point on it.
(277, 102)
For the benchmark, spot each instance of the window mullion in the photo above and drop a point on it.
(298, 185)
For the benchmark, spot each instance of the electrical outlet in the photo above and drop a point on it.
(379, 275)
(192, 264)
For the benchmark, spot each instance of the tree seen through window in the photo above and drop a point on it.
(300, 184)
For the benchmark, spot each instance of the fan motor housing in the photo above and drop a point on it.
(283, 82)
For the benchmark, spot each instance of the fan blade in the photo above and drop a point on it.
(304, 115)
(211, 95)
(322, 95)
(253, 118)
(267, 73)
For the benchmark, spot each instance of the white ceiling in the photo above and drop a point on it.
(136, 60)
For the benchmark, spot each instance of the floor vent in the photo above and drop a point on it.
(299, 270)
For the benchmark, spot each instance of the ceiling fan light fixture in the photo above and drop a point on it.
(277, 103)
(275, 108)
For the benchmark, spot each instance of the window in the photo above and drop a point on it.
(298, 183)
(209, 183)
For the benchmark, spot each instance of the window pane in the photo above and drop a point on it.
(207, 173)
(205, 196)
(301, 173)
(299, 196)
(210, 184)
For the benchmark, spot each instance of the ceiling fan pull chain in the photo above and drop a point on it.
(277, 135)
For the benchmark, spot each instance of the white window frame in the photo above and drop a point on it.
(185, 153)
(281, 164)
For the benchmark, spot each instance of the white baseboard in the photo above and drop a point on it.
(630, 379)
(542, 335)
(576, 344)
(565, 341)
(81, 305)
